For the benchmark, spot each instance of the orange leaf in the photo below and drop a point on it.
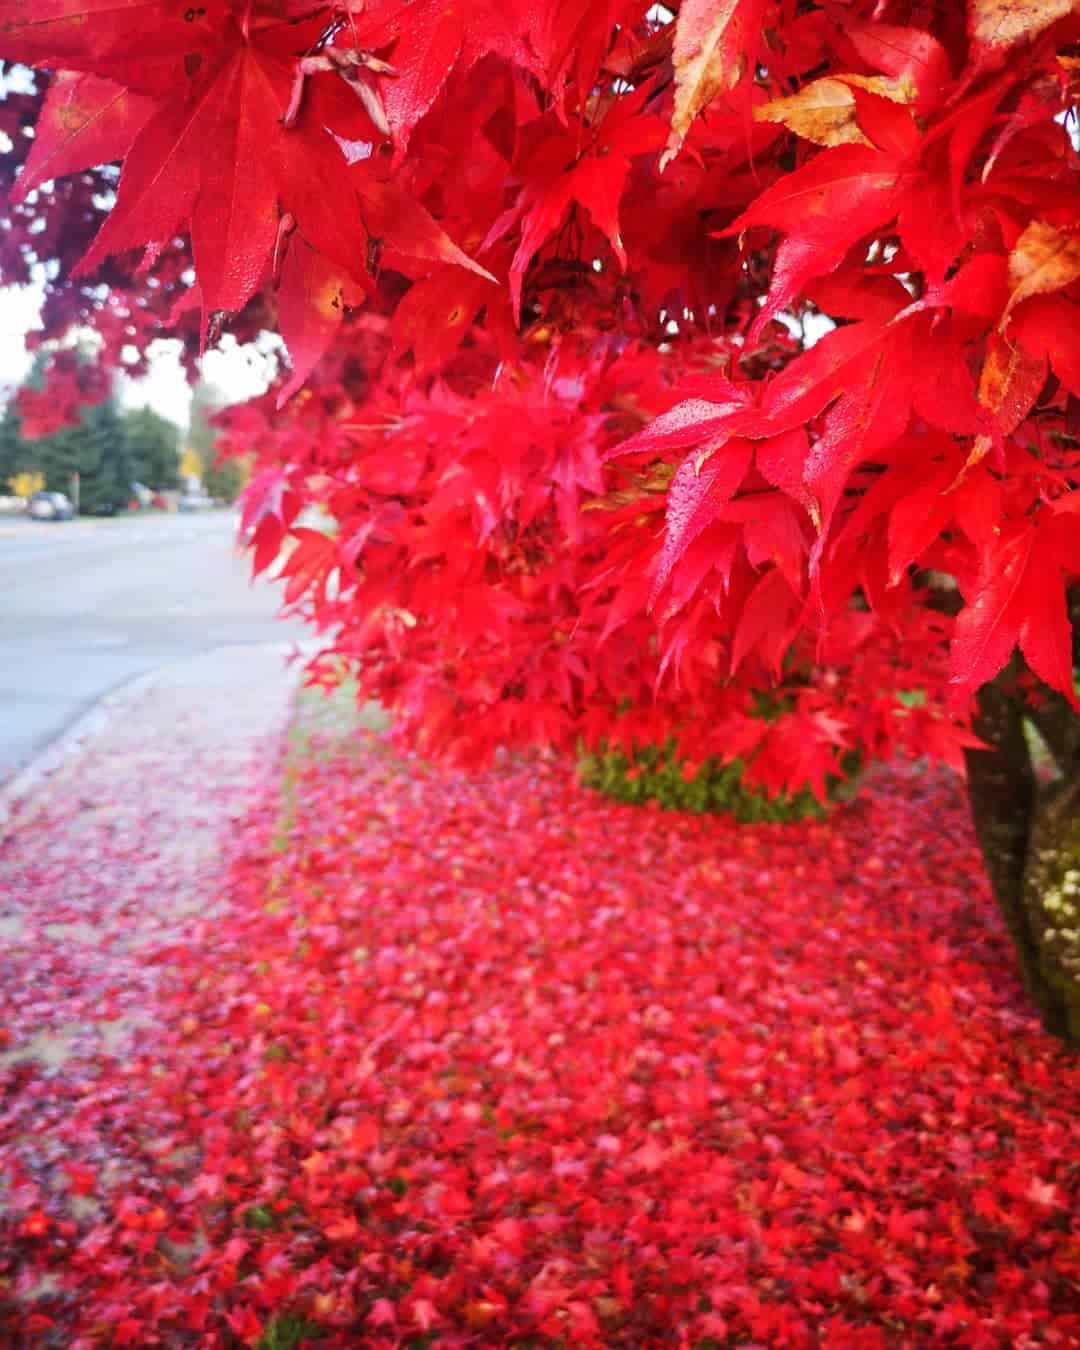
(1043, 259)
(1000, 23)
(824, 111)
(711, 55)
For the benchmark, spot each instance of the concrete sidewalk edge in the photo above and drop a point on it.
(20, 795)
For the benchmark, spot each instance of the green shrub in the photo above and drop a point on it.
(287, 1333)
(654, 773)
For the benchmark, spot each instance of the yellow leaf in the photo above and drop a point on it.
(1000, 23)
(709, 60)
(191, 465)
(824, 110)
(25, 484)
(1043, 259)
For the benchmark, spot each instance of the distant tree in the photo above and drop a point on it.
(202, 436)
(153, 444)
(90, 439)
(26, 483)
(103, 461)
(223, 478)
(96, 450)
(58, 457)
(12, 446)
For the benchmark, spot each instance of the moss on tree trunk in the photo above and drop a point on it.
(1030, 840)
(1052, 902)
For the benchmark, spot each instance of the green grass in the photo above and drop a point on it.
(287, 1333)
(654, 773)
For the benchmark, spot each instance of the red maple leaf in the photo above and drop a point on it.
(1020, 599)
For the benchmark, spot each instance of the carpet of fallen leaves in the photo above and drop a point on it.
(488, 1060)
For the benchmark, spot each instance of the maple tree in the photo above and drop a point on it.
(644, 359)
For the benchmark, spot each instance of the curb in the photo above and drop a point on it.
(16, 793)
(21, 795)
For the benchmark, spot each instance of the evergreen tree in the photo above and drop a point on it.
(96, 450)
(12, 447)
(103, 460)
(153, 449)
(57, 456)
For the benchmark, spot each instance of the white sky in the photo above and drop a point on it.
(238, 372)
(19, 306)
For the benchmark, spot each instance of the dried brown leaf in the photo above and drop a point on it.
(710, 59)
(1001, 23)
(1043, 259)
(824, 111)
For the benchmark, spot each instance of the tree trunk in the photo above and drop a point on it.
(1052, 901)
(1030, 841)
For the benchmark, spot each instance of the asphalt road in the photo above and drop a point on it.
(86, 605)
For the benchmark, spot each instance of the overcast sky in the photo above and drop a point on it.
(238, 372)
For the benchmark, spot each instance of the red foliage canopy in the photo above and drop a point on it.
(552, 276)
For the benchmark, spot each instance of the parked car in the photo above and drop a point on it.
(194, 501)
(50, 506)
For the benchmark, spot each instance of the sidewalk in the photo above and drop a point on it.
(118, 847)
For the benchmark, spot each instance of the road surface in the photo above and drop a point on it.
(86, 605)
